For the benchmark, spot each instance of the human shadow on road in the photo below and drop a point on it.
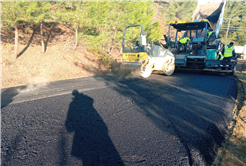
(91, 142)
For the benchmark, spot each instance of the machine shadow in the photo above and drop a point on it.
(91, 142)
(196, 120)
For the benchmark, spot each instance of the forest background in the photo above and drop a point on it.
(54, 40)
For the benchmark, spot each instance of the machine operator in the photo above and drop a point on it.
(183, 42)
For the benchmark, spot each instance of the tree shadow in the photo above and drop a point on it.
(59, 32)
(237, 147)
(28, 44)
(7, 95)
(190, 113)
(46, 42)
(91, 142)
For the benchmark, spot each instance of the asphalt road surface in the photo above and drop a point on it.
(112, 120)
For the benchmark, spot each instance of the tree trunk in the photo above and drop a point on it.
(42, 36)
(228, 28)
(76, 37)
(16, 41)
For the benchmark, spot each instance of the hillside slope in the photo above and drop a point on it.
(60, 61)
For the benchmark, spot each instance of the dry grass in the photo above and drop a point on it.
(59, 62)
(56, 63)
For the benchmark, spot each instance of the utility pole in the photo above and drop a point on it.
(228, 27)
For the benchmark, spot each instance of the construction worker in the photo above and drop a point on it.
(211, 34)
(227, 51)
(137, 40)
(182, 42)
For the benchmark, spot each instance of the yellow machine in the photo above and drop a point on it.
(142, 59)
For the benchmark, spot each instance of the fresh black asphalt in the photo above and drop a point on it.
(112, 120)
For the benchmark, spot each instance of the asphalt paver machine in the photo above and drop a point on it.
(198, 53)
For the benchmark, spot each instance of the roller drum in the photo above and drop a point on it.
(130, 69)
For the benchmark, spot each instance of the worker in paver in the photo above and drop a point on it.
(228, 52)
(211, 35)
(183, 43)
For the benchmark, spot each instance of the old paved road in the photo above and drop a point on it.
(108, 120)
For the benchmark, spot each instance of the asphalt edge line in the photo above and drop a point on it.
(53, 95)
(237, 109)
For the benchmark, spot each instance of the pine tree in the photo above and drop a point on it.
(125, 13)
(12, 13)
(235, 17)
(87, 16)
(72, 12)
(177, 10)
(16, 12)
(38, 13)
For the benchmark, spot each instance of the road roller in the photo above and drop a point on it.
(140, 58)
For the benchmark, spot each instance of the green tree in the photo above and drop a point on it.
(235, 18)
(38, 12)
(72, 12)
(177, 10)
(12, 13)
(86, 16)
(122, 14)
